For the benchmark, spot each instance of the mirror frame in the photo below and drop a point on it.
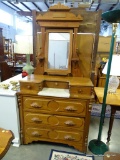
(58, 18)
(58, 71)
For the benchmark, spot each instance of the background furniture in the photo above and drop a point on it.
(113, 100)
(20, 61)
(9, 114)
(111, 156)
(102, 57)
(6, 71)
(19, 58)
(1, 46)
(101, 78)
(104, 49)
(6, 137)
(8, 47)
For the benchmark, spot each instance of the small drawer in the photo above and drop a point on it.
(80, 90)
(30, 86)
(56, 84)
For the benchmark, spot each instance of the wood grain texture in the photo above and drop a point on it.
(112, 99)
(59, 119)
(6, 137)
(111, 156)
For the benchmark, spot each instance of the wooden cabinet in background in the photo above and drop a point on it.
(1, 46)
(104, 47)
(104, 44)
(8, 46)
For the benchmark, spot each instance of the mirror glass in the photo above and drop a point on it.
(58, 50)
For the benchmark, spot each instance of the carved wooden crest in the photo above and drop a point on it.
(59, 12)
(59, 6)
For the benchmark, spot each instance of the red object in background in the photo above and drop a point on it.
(24, 74)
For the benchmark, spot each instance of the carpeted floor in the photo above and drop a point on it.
(96, 111)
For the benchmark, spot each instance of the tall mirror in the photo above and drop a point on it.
(58, 51)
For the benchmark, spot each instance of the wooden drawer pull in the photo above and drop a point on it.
(36, 134)
(70, 138)
(28, 87)
(80, 91)
(37, 120)
(56, 84)
(35, 105)
(70, 108)
(70, 123)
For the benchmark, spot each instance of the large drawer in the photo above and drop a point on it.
(65, 107)
(38, 134)
(53, 120)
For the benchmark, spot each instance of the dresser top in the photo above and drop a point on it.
(73, 81)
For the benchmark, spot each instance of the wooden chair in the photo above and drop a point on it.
(6, 71)
(6, 137)
(111, 156)
(20, 60)
(21, 57)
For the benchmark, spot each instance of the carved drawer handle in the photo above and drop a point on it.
(70, 123)
(70, 138)
(37, 120)
(80, 91)
(70, 108)
(28, 87)
(36, 134)
(35, 105)
(56, 84)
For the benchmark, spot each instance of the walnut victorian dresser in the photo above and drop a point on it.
(55, 101)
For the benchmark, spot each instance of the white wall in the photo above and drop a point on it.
(108, 32)
(9, 31)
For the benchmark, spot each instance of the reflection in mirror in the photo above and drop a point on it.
(58, 50)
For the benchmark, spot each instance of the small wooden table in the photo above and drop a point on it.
(111, 156)
(113, 100)
(6, 137)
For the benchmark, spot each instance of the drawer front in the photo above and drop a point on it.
(66, 107)
(38, 134)
(30, 86)
(81, 90)
(54, 120)
(56, 84)
(36, 104)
